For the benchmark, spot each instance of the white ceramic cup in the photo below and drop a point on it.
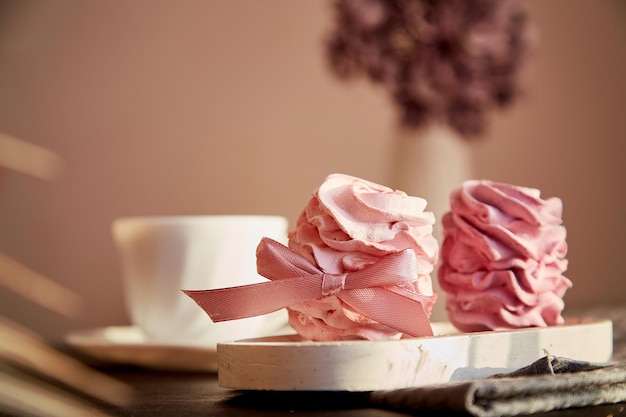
(160, 256)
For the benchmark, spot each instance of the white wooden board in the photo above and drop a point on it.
(288, 363)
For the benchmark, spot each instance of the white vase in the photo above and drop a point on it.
(430, 163)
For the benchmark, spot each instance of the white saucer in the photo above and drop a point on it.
(127, 345)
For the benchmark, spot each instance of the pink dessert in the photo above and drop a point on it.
(503, 258)
(347, 225)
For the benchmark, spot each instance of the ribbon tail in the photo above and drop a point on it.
(255, 299)
(394, 310)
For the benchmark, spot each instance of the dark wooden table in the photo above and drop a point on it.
(172, 394)
(198, 394)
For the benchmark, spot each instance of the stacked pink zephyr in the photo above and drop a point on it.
(503, 258)
(348, 225)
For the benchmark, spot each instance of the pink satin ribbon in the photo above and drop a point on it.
(373, 291)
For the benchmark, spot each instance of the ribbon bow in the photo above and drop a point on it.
(374, 291)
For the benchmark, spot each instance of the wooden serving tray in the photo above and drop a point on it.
(290, 363)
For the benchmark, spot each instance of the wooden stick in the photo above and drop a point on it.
(37, 288)
(32, 398)
(23, 348)
(28, 159)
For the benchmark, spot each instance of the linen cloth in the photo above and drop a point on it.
(550, 383)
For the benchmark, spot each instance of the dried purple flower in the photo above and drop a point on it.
(449, 61)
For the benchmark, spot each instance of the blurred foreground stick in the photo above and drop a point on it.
(25, 158)
(23, 350)
(38, 289)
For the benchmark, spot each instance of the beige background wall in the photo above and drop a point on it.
(205, 107)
